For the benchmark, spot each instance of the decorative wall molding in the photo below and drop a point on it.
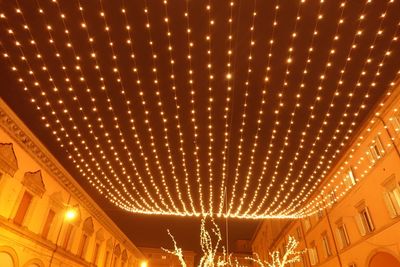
(117, 250)
(8, 160)
(34, 182)
(88, 226)
(56, 201)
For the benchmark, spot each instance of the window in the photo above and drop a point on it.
(327, 248)
(47, 224)
(23, 208)
(82, 246)
(376, 150)
(313, 254)
(343, 237)
(392, 196)
(96, 253)
(349, 179)
(307, 224)
(364, 221)
(67, 236)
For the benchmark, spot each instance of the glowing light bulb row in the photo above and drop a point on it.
(293, 113)
(208, 39)
(177, 107)
(50, 79)
(280, 104)
(267, 79)
(61, 128)
(363, 104)
(160, 103)
(75, 98)
(110, 108)
(229, 84)
(120, 81)
(147, 121)
(193, 108)
(89, 159)
(352, 124)
(368, 60)
(311, 117)
(244, 111)
(298, 94)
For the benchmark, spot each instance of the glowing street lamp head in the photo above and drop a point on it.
(70, 214)
(143, 264)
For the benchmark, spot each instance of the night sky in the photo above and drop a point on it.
(285, 106)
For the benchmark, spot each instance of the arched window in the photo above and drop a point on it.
(8, 257)
(87, 231)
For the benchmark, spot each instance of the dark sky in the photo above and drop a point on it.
(329, 78)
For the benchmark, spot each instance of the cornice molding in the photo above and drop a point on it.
(26, 139)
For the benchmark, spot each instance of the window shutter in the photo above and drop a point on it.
(371, 223)
(325, 250)
(312, 256)
(339, 238)
(360, 225)
(23, 208)
(379, 146)
(396, 200)
(389, 205)
(371, 156)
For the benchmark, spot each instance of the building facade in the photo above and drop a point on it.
(354, 218)
(46, 218)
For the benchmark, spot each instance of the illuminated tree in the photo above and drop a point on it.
(291, 255)
(210, 242)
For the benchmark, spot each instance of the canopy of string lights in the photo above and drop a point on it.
(193, 108)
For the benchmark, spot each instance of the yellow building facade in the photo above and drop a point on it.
(46, 218)
(354, 218)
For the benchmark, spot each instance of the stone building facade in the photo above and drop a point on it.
(357, 221)
(36, 196)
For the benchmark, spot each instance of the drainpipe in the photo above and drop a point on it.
(333, 237)
(305, 243)
(389, 134)
(58, 235)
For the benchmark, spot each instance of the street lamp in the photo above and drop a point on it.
(69, 215)
(143, 264)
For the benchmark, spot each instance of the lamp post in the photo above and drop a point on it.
(69, 215)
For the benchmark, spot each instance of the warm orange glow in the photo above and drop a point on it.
(70, 214)
(143, 264)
